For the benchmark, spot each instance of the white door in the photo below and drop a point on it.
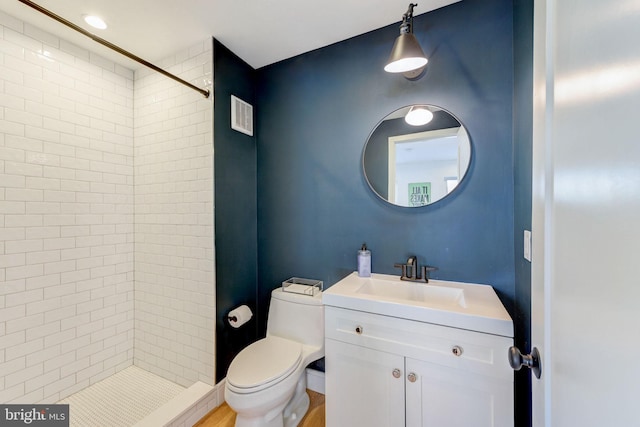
(586, 212)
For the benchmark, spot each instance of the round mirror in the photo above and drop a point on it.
(416, 155)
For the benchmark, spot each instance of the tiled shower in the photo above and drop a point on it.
(106, 218)
(174, 259)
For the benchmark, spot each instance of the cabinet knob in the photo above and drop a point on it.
(456, 350)
(359, 330)
(396, 373)
(412, 377)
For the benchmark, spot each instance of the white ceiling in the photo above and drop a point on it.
(259, 31)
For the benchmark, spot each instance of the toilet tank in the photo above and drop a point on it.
(296, 317)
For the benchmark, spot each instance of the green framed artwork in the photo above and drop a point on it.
(419, 193)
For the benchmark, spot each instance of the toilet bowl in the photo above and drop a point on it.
(266, 382)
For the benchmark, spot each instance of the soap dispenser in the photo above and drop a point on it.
(364, 261)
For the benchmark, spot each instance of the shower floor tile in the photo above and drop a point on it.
(120, 400)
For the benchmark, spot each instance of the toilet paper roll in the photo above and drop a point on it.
(239, 316)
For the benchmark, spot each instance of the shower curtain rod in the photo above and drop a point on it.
(112, 46)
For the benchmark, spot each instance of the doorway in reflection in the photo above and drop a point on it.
(425, 166)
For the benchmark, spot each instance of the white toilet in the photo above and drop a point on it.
(266, 382)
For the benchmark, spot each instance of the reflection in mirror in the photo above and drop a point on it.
(416, 165)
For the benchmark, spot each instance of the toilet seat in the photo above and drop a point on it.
(264, 363)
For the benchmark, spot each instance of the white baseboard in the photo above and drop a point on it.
(315, 380)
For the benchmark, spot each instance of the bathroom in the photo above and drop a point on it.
(111, 244)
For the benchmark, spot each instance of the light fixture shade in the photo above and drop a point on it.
(418, 116)
(406, 55)
(95, 22)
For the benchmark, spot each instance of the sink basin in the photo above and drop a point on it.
(470, 306)
(413, 291)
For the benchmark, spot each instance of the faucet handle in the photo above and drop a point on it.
(425, 272)
(403, 267)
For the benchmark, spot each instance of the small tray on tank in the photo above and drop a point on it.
(297, 285)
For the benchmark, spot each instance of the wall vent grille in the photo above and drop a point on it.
(241, 116)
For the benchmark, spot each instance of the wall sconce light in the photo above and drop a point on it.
(418, 115)
(407, 56)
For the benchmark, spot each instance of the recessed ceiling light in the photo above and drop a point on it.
(95, 22)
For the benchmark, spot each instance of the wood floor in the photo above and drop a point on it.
(223, 416)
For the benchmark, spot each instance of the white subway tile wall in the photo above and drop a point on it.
(68, 123)
(66, 216)
(175, 292)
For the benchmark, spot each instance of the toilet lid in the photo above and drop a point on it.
(264, 362)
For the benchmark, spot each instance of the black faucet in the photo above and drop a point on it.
(411, 272)
(412, 266)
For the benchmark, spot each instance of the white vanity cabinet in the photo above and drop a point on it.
(361, 389)
(388, 371)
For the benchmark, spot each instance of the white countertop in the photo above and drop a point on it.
(468, 306)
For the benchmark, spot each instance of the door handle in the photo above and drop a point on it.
(517, 360)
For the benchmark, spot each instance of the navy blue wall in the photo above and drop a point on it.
(235, 207)
(315, 112)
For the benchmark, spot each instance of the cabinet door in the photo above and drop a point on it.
(361, 389)
(443, 396)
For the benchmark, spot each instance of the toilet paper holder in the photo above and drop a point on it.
(239, 316)
(232, 318)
